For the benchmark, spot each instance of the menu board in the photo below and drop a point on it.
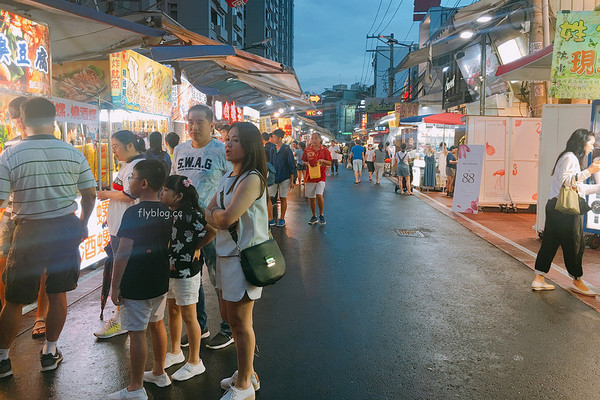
(140, 84)
(24, 55)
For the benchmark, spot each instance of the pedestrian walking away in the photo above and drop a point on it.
(379, 162)
(202, 160)
(127, 150)
(370, 160)
(156, 152)
(334, 150)
(357, 156)
(566, 230)
(7, 227)
(451, 170)
(189, 234)
(403, 170)
(47, 233)
(282, 158)
(317, 158)
(300, 168)
(241, 200)
(141, 277)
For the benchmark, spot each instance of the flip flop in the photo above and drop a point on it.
(40, 331)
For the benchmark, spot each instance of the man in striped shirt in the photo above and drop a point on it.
(44, 175)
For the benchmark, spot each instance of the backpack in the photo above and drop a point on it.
(270, 174)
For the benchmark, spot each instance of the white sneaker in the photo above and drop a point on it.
(111, 328)
(228, 382)
(188, 371)
(172, 359)
(160, 380)
(234, 393)
(123, 394)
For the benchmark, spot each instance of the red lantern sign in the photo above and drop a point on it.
(226, 111)
(236, 3)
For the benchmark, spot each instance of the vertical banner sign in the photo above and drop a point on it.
(92, 248)
(575, 70)
(24, 55)
(467, 181)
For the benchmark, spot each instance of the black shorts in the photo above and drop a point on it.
(370, 166)
(300, 167)
(46, 244)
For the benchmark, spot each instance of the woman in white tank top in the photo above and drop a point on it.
(241, 198)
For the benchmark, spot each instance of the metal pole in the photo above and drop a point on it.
(483, 75)
(391, 70)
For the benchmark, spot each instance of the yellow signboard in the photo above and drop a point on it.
(140, 84)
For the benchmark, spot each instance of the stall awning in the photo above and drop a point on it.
(197, 52)
(82, 33)
(244, 77)
(532, 67)
(445, 119)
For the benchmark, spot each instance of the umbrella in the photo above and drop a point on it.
(106, 279)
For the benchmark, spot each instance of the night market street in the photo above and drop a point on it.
(362, 313)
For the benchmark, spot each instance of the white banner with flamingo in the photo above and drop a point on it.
(467, 181)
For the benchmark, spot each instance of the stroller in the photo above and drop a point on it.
(387, 167)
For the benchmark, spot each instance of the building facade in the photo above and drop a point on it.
(262, 27)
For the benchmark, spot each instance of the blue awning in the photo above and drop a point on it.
(207, 90)
(416, 118)
(193, 52)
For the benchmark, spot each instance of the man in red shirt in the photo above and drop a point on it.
(317, 158)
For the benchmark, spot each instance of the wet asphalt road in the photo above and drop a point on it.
(365, 314)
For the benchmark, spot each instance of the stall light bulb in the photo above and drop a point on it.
(269, 102)
(467, 34)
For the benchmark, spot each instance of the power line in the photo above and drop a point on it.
(393, 16)
(376, 15)
(384, 14)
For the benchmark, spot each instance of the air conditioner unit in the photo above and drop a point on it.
(212, 26)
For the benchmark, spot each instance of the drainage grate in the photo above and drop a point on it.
(409, 233)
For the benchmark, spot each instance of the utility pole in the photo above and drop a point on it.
(483, 75)
(537, 89)
(390, 42)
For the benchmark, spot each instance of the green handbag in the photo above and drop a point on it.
(263, 264)
(569, 201)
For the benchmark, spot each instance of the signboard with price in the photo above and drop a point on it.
(468, 178)
(92, 248)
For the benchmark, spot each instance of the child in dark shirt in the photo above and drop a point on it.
(189, 234)
(141, 276)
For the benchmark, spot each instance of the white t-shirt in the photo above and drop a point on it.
(333, 151)
(205, 167)
(370, 154)
(117, 208)
(567, 168)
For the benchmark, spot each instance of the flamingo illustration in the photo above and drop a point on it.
(499, 181)
(463, 149)
(489, 149)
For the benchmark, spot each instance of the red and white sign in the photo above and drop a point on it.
(75, 112)
(92, 248)
(236, 3)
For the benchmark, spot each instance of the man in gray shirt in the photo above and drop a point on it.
(44, 174)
